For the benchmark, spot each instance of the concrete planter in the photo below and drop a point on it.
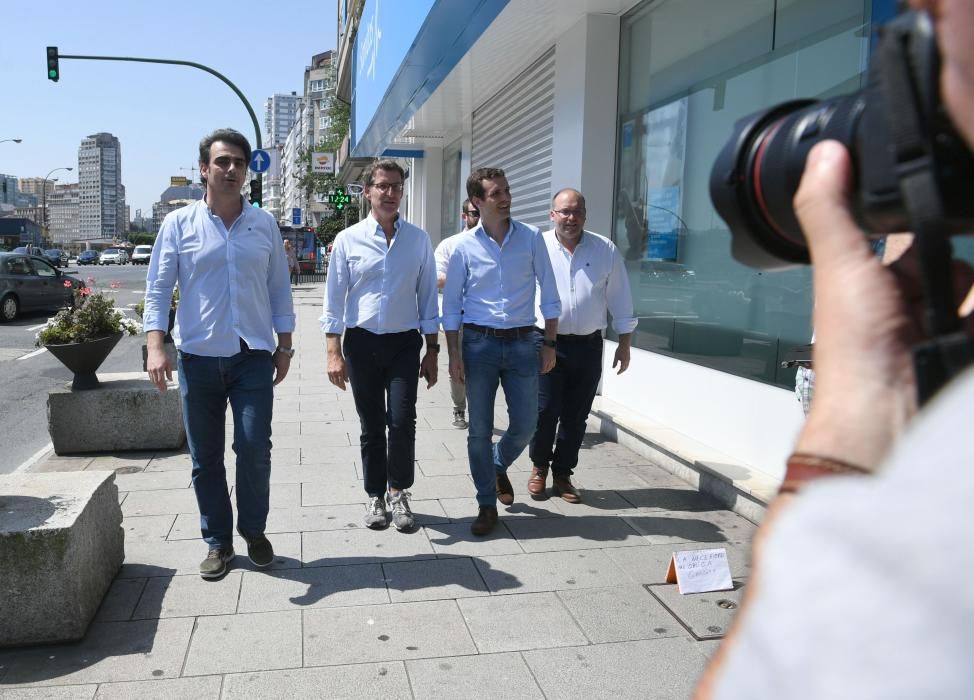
(84, 359)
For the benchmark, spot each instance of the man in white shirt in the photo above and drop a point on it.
(592, 279)
(235, 295)
(471, 217)
(381, 292)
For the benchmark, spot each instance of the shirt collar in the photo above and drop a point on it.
(581, 240)
(376, 227)
(479, 228)
(244, 206)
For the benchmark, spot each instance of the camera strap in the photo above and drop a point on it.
(948, 351)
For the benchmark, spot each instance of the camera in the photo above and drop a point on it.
(756, 174)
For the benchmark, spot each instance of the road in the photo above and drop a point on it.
(27, 374)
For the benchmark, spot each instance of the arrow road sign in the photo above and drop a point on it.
(260, 160)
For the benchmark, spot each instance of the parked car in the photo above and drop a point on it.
(88, 257)
(30, 283)
(113, 256)
(58, 257)
(141, 254)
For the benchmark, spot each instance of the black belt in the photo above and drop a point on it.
(520, 332)
(572, 338)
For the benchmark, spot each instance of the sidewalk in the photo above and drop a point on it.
(561, 601)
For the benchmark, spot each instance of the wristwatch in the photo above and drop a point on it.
(285, 351)
(549, 343)
(432, 347)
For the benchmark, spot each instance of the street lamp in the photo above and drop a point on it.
(44, 202)
(14, 140)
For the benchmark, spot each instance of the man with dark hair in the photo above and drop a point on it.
(592, 280)
(470, 217)
(491, 280)
(381, 292)
(235, 294)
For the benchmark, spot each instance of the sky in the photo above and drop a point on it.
(158, 112)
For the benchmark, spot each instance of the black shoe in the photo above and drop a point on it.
(505, 490)
(259, 550)
(485, 522)
(215, 564)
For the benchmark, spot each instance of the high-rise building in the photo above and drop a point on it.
(280, 113)
(102, 196)
(63, 206)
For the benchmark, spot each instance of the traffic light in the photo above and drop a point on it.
(53, 71)
(256, 200)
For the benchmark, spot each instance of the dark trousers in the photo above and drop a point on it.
(565, 397)
(384, 373)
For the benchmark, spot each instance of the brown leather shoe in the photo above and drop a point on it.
(536, 483)
(485, 522)
(505, 491)
(563, 487)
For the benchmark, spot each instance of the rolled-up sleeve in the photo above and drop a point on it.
(336, 289)
(550, 303)
(279, 285)
(619, 296)
(427, 296)
(162, 276)
(456, 279)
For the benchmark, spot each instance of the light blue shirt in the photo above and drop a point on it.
(381, 287)
(233, 283)
(494, 285)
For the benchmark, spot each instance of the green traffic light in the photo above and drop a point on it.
(52, 74)
(255, 205)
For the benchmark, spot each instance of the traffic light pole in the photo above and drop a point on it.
(191, 64)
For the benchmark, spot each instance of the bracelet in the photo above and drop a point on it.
(804, 467)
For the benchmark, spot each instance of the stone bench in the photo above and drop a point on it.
(61, 544)
(126, 412)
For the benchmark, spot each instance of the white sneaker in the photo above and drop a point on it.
(459, 419)
(402, 516)
(376, 516)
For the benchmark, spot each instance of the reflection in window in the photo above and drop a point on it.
(690, 69)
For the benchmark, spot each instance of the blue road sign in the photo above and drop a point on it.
(260, 160)
(296, 216)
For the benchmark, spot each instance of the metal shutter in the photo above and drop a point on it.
(514, 130)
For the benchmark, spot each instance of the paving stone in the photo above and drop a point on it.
(672, 498)
(313, 518)
(620, 614)
(385, 680)
(148, 527)
(330, 586)
(171, 558)
(349, 454)
(111, 462)
(283, 495)
(649, 564)
(110, 651)
(549, 571)
(668, 527)
(71, 692)
(584, 532)
(443, 467)
(465, 509)
(160, 502)
(451, 677)
(363, 545)
(326, 427)
(659, 669)
(321, 441)
(152, 481)
(245, 642)
(313, 473)
(456, 539)
(609, 479)
(515, 622)
(654, 475)
(202, 688)
(706, 615)
(397, 631)
(333, 492)
(120, 601)
(594, 502)
(437, 579)
(177, 461)
(188, 596)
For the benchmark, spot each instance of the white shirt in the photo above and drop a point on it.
(233, 283)
(442, 255)
(494, 285)
(381, 287)
(590, 281)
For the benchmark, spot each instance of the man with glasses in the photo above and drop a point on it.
(381, 292)
(232, 273)
(592, 279)
(471, 217)
(490, 290)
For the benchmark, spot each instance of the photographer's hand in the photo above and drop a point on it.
(867, 317)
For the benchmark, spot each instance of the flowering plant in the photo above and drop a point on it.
(140, 307)
(90, 316)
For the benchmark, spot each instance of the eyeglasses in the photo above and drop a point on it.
(577, 213)
(387, 187)
(472, 212)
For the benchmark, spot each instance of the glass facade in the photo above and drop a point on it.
(688, 70)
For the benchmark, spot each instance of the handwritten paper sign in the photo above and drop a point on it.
(700, 570)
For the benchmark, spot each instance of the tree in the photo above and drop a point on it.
(142, 238)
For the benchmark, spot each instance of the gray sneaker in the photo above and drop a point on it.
(215, 564)
(402, 516)
(459, 419)
(376, 516)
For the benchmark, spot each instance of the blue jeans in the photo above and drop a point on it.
(206, 384)
(513, 363)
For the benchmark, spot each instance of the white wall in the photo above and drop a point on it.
(426, 191)
(586, 85)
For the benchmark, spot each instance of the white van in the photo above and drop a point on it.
(141, 255)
